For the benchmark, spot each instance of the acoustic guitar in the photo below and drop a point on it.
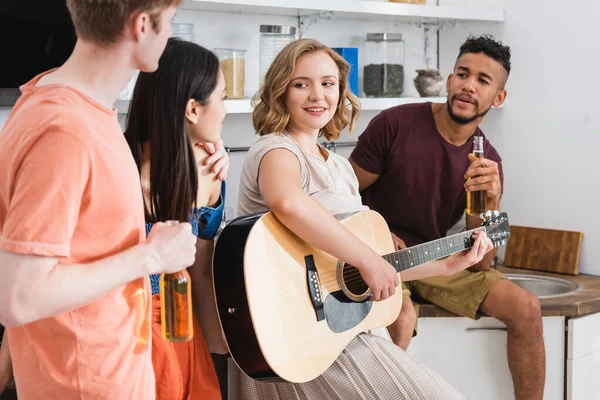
(288, 309)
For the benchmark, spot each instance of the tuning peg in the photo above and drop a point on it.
(502, 242)
(482, 216)
(495, 213)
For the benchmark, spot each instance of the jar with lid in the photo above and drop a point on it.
(408, 1)
(383, 72)
(273, 38)
(232, 64)
(183, 31)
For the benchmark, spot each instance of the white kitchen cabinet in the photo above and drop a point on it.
(244, 106)
(583, 358)
(583, 382)
(471, 355)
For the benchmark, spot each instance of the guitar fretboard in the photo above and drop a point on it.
(430, 251)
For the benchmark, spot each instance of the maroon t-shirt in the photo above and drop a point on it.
(420, 190)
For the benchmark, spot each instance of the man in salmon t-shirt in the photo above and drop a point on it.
(74, 289)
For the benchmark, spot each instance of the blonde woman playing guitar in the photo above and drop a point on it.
(305, 96)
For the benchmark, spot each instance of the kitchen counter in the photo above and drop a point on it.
(585, 301)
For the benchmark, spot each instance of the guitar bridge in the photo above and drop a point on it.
(314, 287)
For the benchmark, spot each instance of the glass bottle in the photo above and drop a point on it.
(176, 307)
(176, 317)
(476, 201)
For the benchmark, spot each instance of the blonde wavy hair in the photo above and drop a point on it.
(270, 114)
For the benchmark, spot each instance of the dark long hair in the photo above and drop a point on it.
(157, 115)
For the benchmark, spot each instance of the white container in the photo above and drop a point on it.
(273, 38)
(183, 31)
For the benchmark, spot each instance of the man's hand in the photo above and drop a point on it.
(398, 243)
(484, 175)
(172, 246)
(217, 156)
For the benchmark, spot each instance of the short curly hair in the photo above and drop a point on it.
(487, 45)
(270, 114)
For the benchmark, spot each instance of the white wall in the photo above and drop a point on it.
(548, 131)
(4, 111)
(241, 31)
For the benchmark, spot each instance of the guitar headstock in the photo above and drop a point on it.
(496, 226)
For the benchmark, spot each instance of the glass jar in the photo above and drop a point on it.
(272, 39)
(233, 65)
(183, 31)
(383, 71)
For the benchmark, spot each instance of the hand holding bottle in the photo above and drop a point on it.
(484, 174)
(172, 247)
(176, 245)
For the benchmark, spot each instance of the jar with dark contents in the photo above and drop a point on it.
(383, 71)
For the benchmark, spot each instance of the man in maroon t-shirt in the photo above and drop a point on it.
(413, 162)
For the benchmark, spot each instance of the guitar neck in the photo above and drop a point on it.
(423, 253)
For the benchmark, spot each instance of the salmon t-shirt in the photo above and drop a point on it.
(69, 188)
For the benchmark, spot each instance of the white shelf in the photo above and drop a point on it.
(243, 106)
(370, 104)
(351, 9)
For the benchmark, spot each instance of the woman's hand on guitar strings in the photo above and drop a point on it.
(465, 259)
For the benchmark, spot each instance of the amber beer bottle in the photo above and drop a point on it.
(176, 306)
(476, 201)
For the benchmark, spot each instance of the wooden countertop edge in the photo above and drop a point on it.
(586, 301)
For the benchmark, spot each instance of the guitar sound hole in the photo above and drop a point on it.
(353, 281)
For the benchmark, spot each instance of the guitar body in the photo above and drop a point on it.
(268, 309)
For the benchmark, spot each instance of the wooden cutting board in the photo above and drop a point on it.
(547, 250)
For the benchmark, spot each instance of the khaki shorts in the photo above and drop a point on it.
(461, 293)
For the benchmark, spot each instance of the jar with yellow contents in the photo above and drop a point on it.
(407, 1)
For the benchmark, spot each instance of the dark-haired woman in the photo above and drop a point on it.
(175, 116)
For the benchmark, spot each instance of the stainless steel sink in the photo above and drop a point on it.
(544, 286)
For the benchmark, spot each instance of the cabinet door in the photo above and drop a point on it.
(471, 355)
(582, 378)
(583, 358)
(584, 336)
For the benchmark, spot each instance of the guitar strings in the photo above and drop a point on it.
(355, 276)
